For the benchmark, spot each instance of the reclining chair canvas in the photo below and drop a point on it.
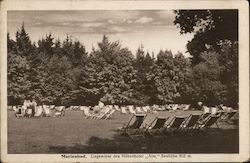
(228, 116)
(108, 116)
(60, 111)
(102, 113)
(203, 125)
(39, 111)
(86, 111)
(156, 125)
(46, 111)
(123, 110)
(133, 127)
(174, 125)
(20, 112)
(189, 124)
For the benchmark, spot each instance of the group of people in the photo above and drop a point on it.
(29, 106)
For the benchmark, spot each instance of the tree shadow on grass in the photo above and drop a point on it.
(225, 141)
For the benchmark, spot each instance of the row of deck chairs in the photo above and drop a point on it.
(105, 113)
(226, 113)
(171, 107)
(194, 123)
(129, 109)
(40, 111)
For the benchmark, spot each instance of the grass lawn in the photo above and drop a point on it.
(75, 134)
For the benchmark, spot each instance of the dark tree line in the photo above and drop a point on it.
(63, 73)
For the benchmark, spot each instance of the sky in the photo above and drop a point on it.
(154, 29)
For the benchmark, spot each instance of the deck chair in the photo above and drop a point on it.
(86, 111)
(206, 109)
(123, 110)
(110, 106)
(202, 126)
(186, 107)
(75, 107)
(228, 116)
(205, 114)
(131, 109)
(116, 107)
(146, 109)
(154, 109)
(51, 107)
(108, 116)
(138, 110)
(214, 110)
(191, 121)
(81, 108)
(161, 108)
(174, 125)
(39, 111)
(133, 128)
(15, 108)
(70, 107)
(19, 111)
(47, 111)
(174, 108)
(190, 124)
(102, 113)
(155, 126)
(136, 124)
(212, 119)
(9, 107)
(60, 111)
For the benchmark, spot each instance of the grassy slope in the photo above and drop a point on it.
(75, 134)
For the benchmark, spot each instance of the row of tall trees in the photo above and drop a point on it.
(63, 73)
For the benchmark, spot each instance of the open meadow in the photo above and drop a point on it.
(75, 134)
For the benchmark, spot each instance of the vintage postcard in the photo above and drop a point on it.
(124, 81)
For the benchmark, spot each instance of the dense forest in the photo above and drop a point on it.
(62, 72)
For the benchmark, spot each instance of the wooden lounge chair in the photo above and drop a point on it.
(214, 110)
(174, 125)
(47, 111)
(123, 110)
(131, 109)
(39, 111)
(51, 107)
(138, 110)
(108, 116)
(9, 108)
(203, 125)
(154, 127)
(189, 124)
(117, 108)
(102, 113)
(204, 116)
(86, 111)
(60, 111)
(174, 108)
(15, 109)
(146, 109)
(228, 116)
(186, 107)
(133, 125)
(19, 111)
(190, 121)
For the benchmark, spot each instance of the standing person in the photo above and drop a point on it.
(200, 105)
(33, 106)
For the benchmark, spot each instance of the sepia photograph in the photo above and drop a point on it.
(128, 83)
